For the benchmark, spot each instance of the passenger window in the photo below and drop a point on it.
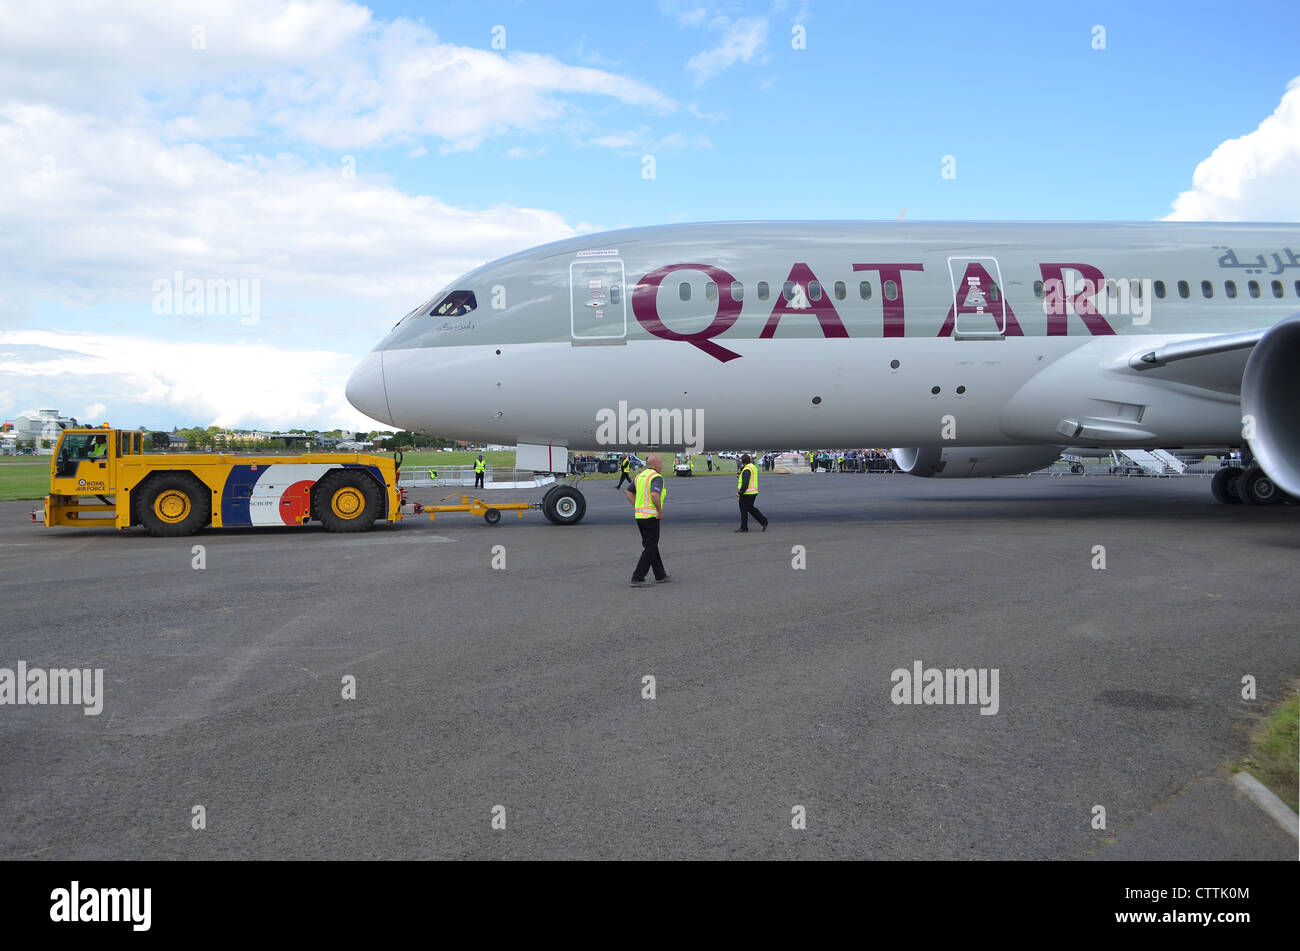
(1135, 287)
(1277, 288)
(1297, 288)
(615, 294)
(1230, 288)
(764, 292)
(993, 293)
(1160, 289)
(684, 290)
(814, 290)
(1253, 287)
(1038, 289)
(1183, 290)
(455, 304)
(840, 290)
(1207, 289)
(737, 290)
(864, 290)
(891, 290)
(787, 290)
(710, 291)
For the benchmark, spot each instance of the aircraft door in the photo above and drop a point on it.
(979, 306)
(597, 300)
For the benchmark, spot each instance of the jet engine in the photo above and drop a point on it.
(1270, 398)
(973, 462)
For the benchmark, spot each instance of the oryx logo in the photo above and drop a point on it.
(77, 904)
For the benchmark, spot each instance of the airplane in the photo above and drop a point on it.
(983, 349)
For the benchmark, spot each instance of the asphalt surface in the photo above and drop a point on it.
(522, 687)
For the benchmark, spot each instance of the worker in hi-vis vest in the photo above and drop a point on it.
(747, 492)
(479, 468)
(647, 496)
(625, 471)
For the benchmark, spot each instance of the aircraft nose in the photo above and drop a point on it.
(366, 390)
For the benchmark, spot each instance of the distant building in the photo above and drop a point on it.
(42, 427)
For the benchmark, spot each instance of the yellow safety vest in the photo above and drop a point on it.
(479, 465)
(99, 450)
(626, 465)
(753, 479)
(645, 506)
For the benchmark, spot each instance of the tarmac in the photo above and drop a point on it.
(516, 696)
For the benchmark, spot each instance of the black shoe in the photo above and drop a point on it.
(663, 579)
(741, 530)
(639, 584)
(765, 526)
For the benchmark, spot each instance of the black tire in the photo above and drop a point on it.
(172, 504)
(492, 516)
(1224, 485)
(346, 500)
(1256, 488)
(564, 505)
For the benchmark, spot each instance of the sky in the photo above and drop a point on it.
(322, 167)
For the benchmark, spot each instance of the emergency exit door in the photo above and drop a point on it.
(597, 300)
(978, 305)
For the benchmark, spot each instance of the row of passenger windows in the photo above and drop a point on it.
(839, 290)
(1184, 289)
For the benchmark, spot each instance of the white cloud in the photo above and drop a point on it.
(230, 385)
(322, 72)
(742, 40)
(1252, 178)
(115, 209)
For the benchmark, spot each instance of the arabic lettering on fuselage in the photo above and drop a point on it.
(975, 292)
(1281, 259)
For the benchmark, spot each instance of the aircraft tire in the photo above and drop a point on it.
(564, 505)
(1257, 488)
(1224, 485)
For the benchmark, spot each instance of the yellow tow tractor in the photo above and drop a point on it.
(179, 493)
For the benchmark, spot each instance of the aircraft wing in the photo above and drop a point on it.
(1215, 362)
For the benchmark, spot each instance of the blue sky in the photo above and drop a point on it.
(346, 160)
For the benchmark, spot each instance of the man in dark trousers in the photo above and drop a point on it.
(647, 497)
(747, 492)
(479, 468)
(624, 471)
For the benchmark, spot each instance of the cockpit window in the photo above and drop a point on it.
(419, 310)
(455, 304)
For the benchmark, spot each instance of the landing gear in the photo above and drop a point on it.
(1234, 485)
(1224, 485)
(564, 505)
(1256, 488)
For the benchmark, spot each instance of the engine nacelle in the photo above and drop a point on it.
(1270, 399)
(974, 462)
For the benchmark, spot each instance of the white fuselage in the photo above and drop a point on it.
(841, 334)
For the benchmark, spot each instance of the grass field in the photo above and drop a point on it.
(1272, 758)
(24, 478)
